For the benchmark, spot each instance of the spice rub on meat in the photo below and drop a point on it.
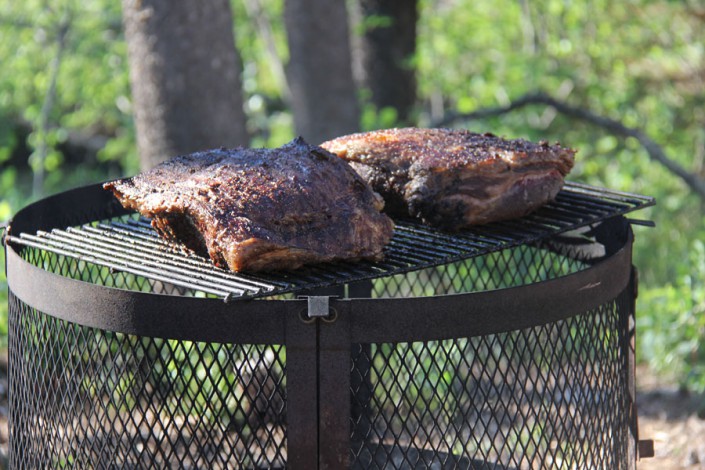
(262, 209)
(453, 178)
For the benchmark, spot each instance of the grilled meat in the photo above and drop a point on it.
(455, 178)
(261, 209)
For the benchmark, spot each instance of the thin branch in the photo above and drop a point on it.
(42, 150)
(6, 20)
(264, 25)
(654, 150)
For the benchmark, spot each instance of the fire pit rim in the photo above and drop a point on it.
(373, 320)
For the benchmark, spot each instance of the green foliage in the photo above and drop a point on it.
(674, 316)
(84, 43)
(636, 61)
(263, 56)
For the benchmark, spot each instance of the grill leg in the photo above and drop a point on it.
(302, 393)
(360, 381)
(332, 383)
(334, 390)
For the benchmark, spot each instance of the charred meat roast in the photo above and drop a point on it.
(261, 209)
(453, 178)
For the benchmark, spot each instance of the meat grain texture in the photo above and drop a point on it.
(262, 209)
(453, 178)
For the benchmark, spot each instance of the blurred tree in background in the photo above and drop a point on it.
(320, 77)
(384, 47)
(185, 76)
(66, 112)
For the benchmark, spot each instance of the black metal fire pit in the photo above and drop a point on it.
(508, 346)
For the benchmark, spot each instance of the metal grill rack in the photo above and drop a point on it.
(131, 245)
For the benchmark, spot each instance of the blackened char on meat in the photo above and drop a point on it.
(453, 178)
(262, 209)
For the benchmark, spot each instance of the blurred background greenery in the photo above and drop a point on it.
(66, 114)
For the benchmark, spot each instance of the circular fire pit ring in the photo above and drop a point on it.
(517, 354)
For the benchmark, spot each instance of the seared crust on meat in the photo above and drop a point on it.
(454, 178)
(261, 209)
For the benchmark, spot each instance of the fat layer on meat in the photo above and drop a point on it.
(453, 178)
(261, 209)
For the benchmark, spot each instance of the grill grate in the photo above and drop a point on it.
(130, 245)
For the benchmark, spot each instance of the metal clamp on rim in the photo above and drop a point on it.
(318, 307)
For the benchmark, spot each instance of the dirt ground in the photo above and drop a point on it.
(673, 419)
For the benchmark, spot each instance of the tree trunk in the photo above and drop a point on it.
(385, 44)
(323, 95)
(185, 76)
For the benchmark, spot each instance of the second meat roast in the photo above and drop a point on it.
(452, 178)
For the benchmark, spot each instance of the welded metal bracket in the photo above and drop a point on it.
(645, 449)
(318, 307)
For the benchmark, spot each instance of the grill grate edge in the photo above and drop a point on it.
(133, 247)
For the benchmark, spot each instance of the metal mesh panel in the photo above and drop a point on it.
(518, 266)
(552, 396)
(87, 398)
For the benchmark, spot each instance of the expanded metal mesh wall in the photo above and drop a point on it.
(88, 398)
(552, 396)
(549, 396)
